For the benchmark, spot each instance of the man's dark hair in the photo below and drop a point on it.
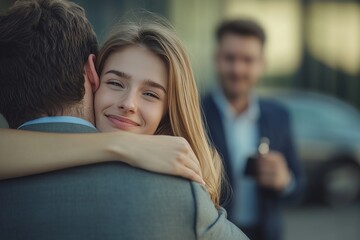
(241, 27)
(44, 45)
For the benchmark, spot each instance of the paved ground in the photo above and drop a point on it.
(323, 223)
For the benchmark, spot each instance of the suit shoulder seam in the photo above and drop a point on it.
(195, 208)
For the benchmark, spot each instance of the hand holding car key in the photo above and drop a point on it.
(268, 167)
(251, 165)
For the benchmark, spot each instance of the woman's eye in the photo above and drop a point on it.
(153, 95)
(115, 83)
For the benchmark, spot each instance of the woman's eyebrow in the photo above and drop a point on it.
(151, 83)
(119, 73)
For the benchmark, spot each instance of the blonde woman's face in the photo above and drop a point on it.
(132, 93)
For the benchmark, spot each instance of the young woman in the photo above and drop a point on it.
(146, 87)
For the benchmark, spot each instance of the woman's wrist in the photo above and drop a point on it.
(117, 146)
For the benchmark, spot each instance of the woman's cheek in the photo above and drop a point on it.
(105, 98)
(153, 112)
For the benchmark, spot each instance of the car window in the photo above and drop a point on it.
(314, 113)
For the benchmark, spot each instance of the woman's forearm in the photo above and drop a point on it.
(25, 153)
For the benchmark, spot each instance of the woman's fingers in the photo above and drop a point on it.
(177, 158)
(190, 174)
(188, 150)
(188, 162)
(194, 159)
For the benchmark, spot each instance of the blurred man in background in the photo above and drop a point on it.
(262, 173)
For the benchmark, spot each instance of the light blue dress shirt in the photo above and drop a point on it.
(59, 119)
(242, 136)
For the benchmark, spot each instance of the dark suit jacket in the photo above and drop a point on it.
(107, 201)
(274, 123)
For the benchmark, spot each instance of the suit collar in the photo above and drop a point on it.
(58, 119)
(59, 127)
(216, 130)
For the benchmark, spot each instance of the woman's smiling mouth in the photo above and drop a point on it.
(121, 122)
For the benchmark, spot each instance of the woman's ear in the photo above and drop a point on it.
(91, 74)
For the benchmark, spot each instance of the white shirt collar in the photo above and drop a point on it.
(252, 112)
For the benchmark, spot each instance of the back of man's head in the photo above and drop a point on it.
(44, 45)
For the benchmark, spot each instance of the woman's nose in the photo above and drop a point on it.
(128, 103)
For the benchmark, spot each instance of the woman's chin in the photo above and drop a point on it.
(135, 130)
(114, 129)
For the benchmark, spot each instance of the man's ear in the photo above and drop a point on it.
(91, 73)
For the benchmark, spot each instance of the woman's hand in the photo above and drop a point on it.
(161, 154)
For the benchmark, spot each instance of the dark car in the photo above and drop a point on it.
(327, 135)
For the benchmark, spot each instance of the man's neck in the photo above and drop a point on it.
(79, 112)
(239, 103)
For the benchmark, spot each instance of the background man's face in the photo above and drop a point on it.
(240, 63)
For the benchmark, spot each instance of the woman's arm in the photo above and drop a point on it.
(25, 153)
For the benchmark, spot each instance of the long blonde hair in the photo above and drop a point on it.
(184, 113)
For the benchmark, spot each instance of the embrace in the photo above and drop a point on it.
(92, 121)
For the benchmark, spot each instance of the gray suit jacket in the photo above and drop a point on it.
(107, 201)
